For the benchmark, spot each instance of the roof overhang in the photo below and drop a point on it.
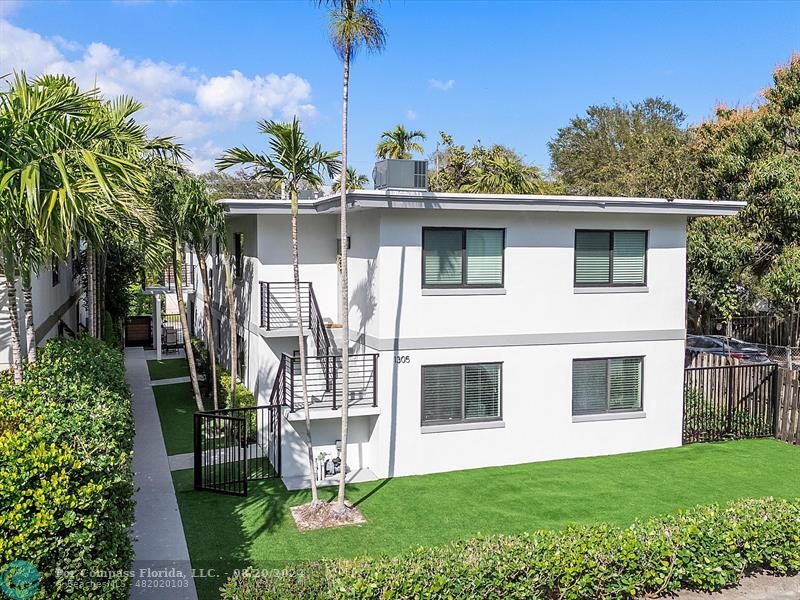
(398, 199)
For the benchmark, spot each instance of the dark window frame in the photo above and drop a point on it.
(610, 282)
(610, 411)
(55, 275)
(238, 252)
(462, 420)
(464, 284)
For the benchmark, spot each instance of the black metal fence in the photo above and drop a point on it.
(235, 445)
(171, 332)
(167, 277)
(324, 379)
(730, 402)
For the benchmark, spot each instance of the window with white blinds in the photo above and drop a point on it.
(606, 385)
(609, 258)
(458, 393)
(462, 257)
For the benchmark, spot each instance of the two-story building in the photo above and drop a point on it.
(486, 329)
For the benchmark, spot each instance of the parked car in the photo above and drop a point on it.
(719, 344)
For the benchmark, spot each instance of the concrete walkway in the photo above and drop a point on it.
(162, 568)
(757, 587)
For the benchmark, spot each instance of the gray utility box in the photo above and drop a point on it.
(400, 173)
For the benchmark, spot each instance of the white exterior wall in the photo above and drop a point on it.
(536, 407)
(539, 269)
(535, 328)
(50, 304)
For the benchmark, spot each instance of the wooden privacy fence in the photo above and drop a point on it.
(726, 399)
(788, 422)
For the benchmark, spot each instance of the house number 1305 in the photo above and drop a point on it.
(402, 360)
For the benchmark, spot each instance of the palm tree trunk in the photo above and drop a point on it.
(345, 292)
(90, 292)
(101, 296)
(177, 265)
(212, 355)
(301, 339)
(13, 318)
(30, 330)
(232, 350)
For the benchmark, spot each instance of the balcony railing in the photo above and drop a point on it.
(324, 379)
(279, 305)
(167, 277)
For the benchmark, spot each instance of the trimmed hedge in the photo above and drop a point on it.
(66, 484)
(704, 548)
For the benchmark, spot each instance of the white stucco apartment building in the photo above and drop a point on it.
(56, 305)
(491, 330)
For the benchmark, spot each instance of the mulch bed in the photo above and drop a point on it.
(308, 517)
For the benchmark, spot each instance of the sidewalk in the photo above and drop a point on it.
(161, 565)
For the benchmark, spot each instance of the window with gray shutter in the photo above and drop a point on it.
(610, 258)
(606, 385)
(454, 257)
(459, 393)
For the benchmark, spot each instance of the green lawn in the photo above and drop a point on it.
(225, 532)
(167, 368)
(175, 409)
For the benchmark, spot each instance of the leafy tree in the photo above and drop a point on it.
(291, 161)
(753, 154)
(718, 253)
(202, 218)
(639, 149)
(493, 170)
(355, 181)
(399, 143)
(782, 287)
(235, 185)
(352, 25)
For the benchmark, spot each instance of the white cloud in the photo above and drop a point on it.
(179, 100)
(411, 114)
(204, 157)
(442, 86)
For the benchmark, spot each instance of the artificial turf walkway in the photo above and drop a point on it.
(175, 409)
(167, 368)
(226, 532)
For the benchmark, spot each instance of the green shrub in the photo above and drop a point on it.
(705, 548)
(244, 399)
(66, 485)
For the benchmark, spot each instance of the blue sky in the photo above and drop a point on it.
(506, 72)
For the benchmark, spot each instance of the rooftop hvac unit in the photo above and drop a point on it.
(400, 174)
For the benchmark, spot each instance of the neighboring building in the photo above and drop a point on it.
(489, 330)
(56, 308)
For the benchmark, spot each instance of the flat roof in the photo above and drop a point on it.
(403, 198)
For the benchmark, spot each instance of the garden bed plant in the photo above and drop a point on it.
(66, 484)
(704, 548)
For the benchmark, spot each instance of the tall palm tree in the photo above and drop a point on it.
(355, 181)
(170, 195)
(202, 218)
(60, 177)
(353, 25)
(399, 143)
(227, 264)
(291, 163)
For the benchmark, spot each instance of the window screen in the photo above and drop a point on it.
(606, 385)
(456, 393)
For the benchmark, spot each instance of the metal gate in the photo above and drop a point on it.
(730, 402)
(235, 445)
